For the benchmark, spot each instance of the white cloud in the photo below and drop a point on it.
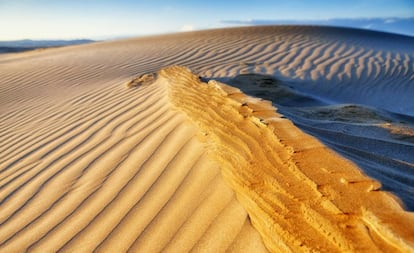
(389, 21)
(187, 28)
(369, 26)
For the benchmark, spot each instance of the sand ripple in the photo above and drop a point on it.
(89, 164)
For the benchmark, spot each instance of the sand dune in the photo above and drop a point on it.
(299, 195)
(113, 164)
(89, 164)
(367, 66)
(380, 142)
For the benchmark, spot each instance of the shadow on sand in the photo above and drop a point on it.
(378, 141)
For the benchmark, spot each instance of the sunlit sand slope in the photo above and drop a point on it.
(115, 170)
(345, 65)
(300, 195)
(87, 163)
(380, 142)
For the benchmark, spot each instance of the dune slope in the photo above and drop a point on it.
(300, 195)
(380, 142)
(89, 164)
(122, 172)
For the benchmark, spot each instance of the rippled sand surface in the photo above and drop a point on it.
(183, 159)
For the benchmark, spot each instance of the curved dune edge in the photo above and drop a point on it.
(299, 195)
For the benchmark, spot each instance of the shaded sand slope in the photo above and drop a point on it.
(111, 171)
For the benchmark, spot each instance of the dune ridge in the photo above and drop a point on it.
(299, 195)
(345, 65)
(127, 174)
(380, 142)
(84, 160)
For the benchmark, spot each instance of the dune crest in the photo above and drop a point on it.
(92, 159)
(300, 195)
(126, 174)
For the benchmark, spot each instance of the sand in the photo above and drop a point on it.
(94, 159)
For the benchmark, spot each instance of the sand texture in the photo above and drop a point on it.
(114, 171)
(106, 148)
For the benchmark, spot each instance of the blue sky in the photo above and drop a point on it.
(99, 19)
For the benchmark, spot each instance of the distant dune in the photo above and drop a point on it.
(106, 147)
(397, 25)
(26, 45)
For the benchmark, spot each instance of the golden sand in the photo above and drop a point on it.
(93, 159)
(300, 195)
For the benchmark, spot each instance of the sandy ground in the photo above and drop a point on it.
(379, 141)
(171, 164)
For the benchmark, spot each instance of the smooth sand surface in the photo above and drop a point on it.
(93, 159)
